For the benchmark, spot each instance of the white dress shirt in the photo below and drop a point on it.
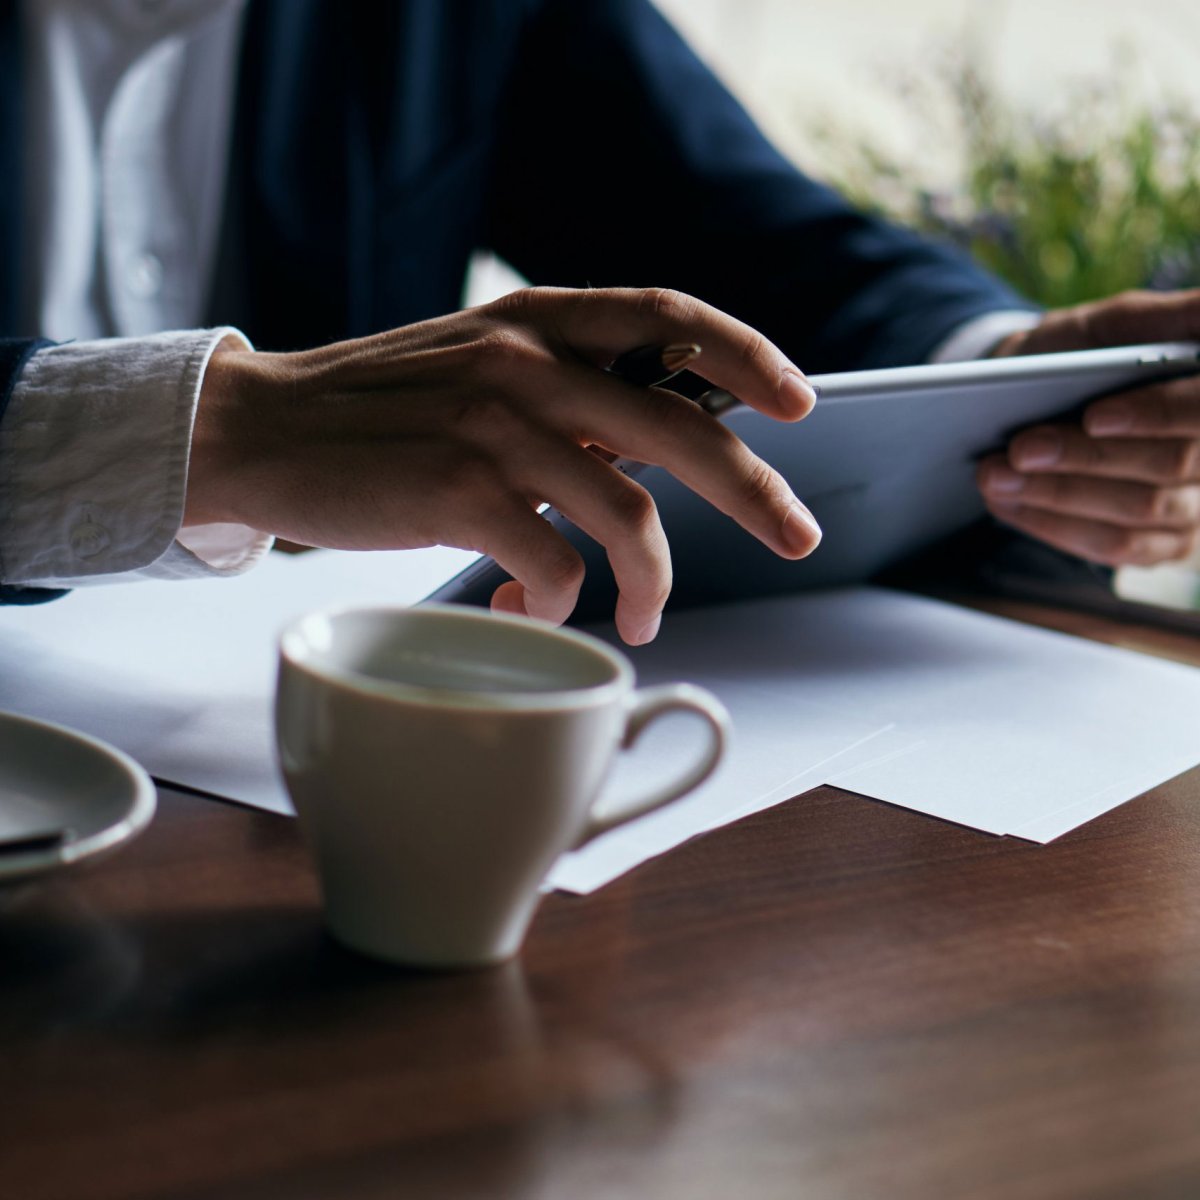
(130, 103)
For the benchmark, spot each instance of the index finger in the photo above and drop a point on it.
(600, 323)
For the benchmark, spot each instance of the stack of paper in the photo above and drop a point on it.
(970, 718)
(967, 717)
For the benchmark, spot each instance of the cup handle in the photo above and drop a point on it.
(645, 705)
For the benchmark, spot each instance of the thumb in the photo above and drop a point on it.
(1122, 320)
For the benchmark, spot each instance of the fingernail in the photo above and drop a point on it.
(649, 632)
(797, 394)
(1112, 418)
(801, 532)
(999, 478)
(1037, 450)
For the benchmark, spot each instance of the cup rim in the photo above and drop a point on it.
(359, 683)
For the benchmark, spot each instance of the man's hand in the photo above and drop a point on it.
(454, 431)
(1123, 487)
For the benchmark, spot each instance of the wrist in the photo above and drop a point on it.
(219, 443)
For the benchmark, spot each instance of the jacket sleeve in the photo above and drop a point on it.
(14, 354)
(622, 160)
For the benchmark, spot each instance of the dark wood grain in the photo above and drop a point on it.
(835, 998)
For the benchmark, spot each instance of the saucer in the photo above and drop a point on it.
(64, 797)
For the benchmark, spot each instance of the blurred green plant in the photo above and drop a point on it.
(1069, 206)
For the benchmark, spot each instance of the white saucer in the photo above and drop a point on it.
(84, 795)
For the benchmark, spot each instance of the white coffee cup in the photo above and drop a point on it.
(441, 759)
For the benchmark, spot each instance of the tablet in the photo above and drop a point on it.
(885, 461)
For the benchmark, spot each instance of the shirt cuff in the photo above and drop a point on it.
(978, 338)
(93, 466)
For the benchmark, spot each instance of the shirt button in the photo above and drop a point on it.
(144, 275)
(89, 539)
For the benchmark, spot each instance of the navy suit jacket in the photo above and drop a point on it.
(375, 146)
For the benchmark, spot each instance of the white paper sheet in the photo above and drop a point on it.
(967, 717)
(181, 675)
(999, 726)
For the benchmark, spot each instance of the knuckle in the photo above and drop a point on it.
(1172, 506)
(1179, 461)
(467, 483)
(656, 589)
(760, 484)
(521, 300)
(486, 417)
(672, 419)
(562, 569)
(650, 592)
(666, 303)
(477, 410)
(755, 351)
(635, 509)
(1187, 506)
(494, 351)
(1153, 504)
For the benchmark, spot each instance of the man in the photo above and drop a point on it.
(313, 173)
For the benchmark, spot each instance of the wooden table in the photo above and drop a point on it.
(832, 999)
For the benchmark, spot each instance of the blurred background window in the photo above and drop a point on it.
(1057, 140)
